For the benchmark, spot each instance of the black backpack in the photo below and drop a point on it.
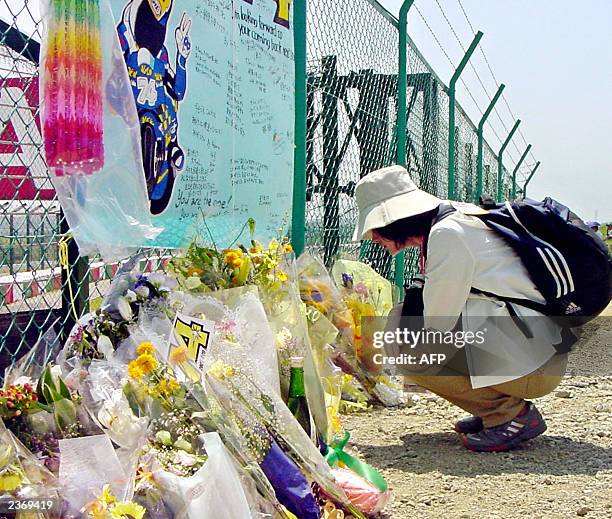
(566, 260)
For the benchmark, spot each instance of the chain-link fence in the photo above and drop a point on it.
(36, 291)
(352, 71)
(352, 68)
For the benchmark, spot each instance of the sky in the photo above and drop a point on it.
(555, 58)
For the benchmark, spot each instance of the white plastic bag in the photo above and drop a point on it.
(213, 491)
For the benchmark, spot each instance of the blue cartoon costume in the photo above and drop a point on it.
(157, 89)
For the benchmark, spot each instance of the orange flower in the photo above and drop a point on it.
(234, 257)
(178, 355)
(194, 271)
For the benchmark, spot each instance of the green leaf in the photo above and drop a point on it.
(64, 413)
(63, 389)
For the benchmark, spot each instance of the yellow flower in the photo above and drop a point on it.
(10, 480)
(127, 509)
(234, 257)
(220, 370)
(168, 386)
(287, 248)
(135, 371)
(145, 347)
(281, 276)
(273, 245)
(178, 355)
(147, 363)
(334, 419)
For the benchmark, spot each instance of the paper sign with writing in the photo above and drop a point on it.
(213, 84)
(195, 335)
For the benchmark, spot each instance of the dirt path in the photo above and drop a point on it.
(565, 473)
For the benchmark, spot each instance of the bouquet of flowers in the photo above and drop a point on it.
(22, 476)
(208, 270)
(275, 439)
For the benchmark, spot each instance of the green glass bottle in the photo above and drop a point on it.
(296, 402)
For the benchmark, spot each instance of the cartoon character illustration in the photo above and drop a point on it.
(158, 90)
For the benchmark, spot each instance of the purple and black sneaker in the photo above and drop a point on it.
(509, 435)
(469, 424)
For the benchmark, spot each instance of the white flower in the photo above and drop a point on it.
(105, 346)
(143, 291)
(130, 296)
(124, 308)
(23, 380)
(122, 425)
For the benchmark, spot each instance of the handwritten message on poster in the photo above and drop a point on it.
(213, 83)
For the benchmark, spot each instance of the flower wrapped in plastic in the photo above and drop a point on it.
(318, 291)
(22, 476)
(206, 268)
(241, 320)
(282, 448)
(107, 506)
(181, 450)
(41, 416)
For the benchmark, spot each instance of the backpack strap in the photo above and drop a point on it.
(538, 307)
(444, 209)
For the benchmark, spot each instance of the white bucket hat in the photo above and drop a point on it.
(387, 195)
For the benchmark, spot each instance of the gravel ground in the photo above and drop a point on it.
(567, 472)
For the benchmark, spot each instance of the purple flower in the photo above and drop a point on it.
(347, 280)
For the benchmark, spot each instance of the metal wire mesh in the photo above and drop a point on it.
(35, 293)
(352, 55)
(352, 66)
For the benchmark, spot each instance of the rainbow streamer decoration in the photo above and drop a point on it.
(73, 88)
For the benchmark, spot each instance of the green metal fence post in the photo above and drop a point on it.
(516, 168)
(480, 134)
(529, 179)
(400, 154)
(500, 161)
(298, 217)
(451, 113)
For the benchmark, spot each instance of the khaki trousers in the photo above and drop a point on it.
(500, 403)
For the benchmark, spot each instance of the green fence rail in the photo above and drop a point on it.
(348, 97)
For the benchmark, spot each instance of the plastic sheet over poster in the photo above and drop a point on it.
(213, 86)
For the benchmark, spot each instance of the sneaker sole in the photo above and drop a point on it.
(528, 435)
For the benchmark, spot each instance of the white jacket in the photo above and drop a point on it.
(462, 252)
